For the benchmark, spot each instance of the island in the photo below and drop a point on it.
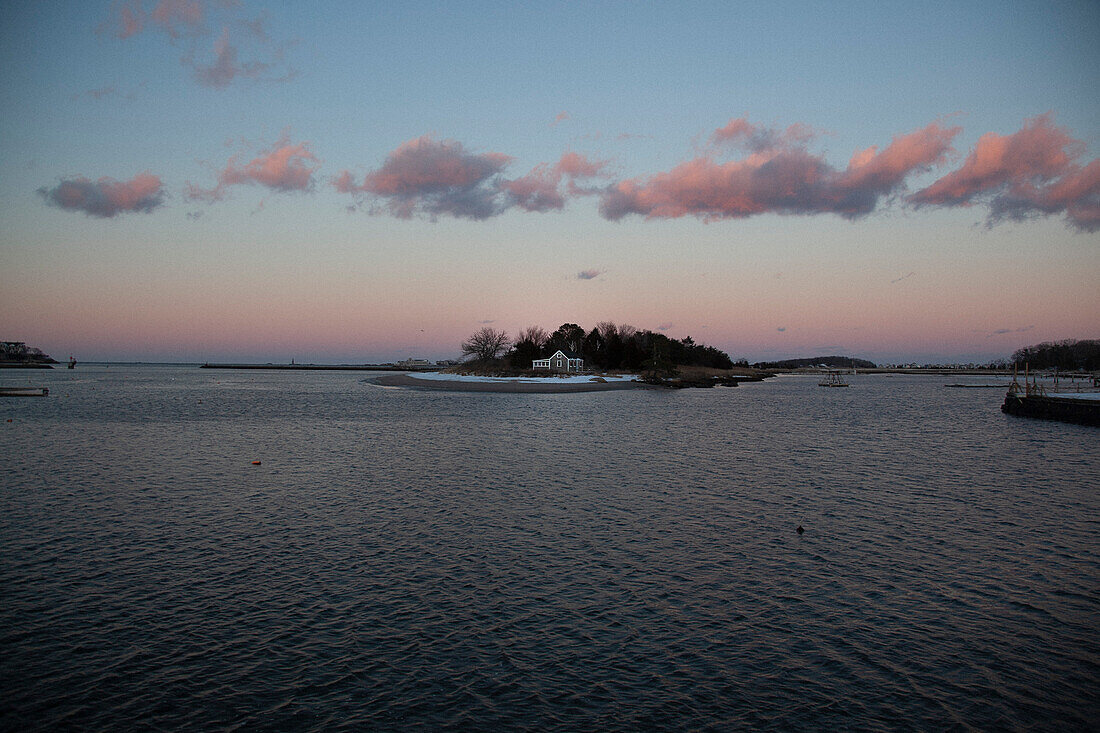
(572, 359)
(17, 355)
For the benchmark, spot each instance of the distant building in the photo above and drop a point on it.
(560, 361)
(411, 363)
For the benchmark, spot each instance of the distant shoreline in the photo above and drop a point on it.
(509, 387)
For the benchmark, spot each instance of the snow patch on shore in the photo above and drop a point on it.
(574, 379)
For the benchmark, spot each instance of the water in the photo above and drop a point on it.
(621, 560)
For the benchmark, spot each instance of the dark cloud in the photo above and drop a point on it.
(226, 67)
(589, 274)
(106, 197)
(1003, 331)
(430, 177)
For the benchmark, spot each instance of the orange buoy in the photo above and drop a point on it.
(255, 463)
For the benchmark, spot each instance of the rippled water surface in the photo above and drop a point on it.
(620, 560)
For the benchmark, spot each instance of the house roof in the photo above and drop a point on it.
(568, 354)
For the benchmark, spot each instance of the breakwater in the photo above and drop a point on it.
(1065, 409)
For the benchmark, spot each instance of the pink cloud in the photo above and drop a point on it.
(1031, 172)
(344, 182)
(779, 176)
(433, 177)
(541, 189)
(187, 19)
(106, 197)
(177, 17)
(871, 174)
(174, 17)
(740, 131)
(286, 167)
(131, 20)
(1038, 151)
(425, 166)
(575, 165)
(559, 118)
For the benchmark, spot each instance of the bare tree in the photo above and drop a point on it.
(535, 335)
(486, 344)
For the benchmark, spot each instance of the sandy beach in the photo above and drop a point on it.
(547, 386)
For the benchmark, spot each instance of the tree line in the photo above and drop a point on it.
(19, 352)
(607, 346)
(1067, 355)
(835, 362)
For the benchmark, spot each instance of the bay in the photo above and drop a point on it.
(601, 561)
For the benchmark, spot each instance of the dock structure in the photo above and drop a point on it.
(1032, 400)
(1067, 408)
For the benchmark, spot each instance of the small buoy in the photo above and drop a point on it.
(9, 419)
(256, 463)
(800, 530)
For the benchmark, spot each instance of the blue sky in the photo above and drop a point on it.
(264, 268)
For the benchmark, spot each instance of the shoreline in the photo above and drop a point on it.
(509, 387)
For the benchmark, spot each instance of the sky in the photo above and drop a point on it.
(351, 182)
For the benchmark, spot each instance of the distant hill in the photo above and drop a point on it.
(834, 362)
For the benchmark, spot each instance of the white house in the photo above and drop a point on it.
(560, 361)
